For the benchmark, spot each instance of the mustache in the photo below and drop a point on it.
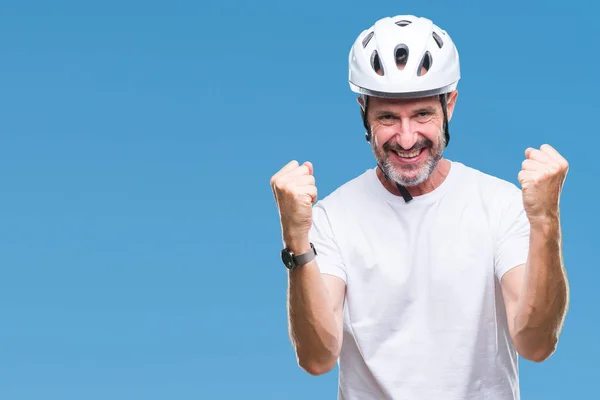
(393, 146)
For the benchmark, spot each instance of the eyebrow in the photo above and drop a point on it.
(426, 109)
(383, 112)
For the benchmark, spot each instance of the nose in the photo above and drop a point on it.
(407, 135)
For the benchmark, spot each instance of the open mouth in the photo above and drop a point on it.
(409, 156)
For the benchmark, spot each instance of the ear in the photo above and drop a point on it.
(361, 102)
(452, 96)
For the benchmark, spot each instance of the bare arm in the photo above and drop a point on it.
(315, 301)
(315, 304)
(537, 294)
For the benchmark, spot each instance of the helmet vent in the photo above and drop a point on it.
(367, 39)
(401, 56)
(425, 64)
(438, 40)
(376, 63)
(403, 23)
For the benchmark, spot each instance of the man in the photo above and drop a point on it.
(425, 278)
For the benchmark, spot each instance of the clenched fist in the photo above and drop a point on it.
(295, 192)
(542, 177)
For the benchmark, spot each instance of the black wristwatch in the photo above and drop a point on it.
(291, 260)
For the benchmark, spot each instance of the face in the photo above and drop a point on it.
(408, 136)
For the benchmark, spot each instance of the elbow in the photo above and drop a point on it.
(320, 364)
(538, 355)
(539, 351)
(318, 357)
(534, 340)
(316, 368)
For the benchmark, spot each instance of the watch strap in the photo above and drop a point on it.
(305, 258)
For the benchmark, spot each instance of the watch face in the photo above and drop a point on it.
(287, 259)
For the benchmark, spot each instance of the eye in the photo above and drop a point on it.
(387, 119)
(424, 116)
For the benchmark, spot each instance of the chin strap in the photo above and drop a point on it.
(403, 191)
(368, 136)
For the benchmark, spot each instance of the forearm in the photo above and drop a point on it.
(543, 301)
(312, 324)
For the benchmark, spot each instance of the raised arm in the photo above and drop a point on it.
(537, 292)
(315, 300)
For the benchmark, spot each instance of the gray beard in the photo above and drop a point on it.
(426, 168)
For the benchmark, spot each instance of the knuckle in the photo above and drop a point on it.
(281, 188)
(279, 183)
(288, 187)
(558, 167)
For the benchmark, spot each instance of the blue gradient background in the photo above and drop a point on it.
(139, 240)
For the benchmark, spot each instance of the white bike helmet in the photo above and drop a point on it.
(403, 56)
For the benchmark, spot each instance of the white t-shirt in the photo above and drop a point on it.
(424, 316)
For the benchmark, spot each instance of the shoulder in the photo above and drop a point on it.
(351, 191)
(500, 200)
(485, 184)
(349, 198)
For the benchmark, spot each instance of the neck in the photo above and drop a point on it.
(434, 181)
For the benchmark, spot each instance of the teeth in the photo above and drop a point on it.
(409, 155)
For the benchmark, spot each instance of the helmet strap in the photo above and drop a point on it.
(363, 114)
(444, 101)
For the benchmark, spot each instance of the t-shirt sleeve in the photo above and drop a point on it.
(512, 246)
(329, 258)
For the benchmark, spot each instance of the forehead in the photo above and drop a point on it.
(379, 102)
